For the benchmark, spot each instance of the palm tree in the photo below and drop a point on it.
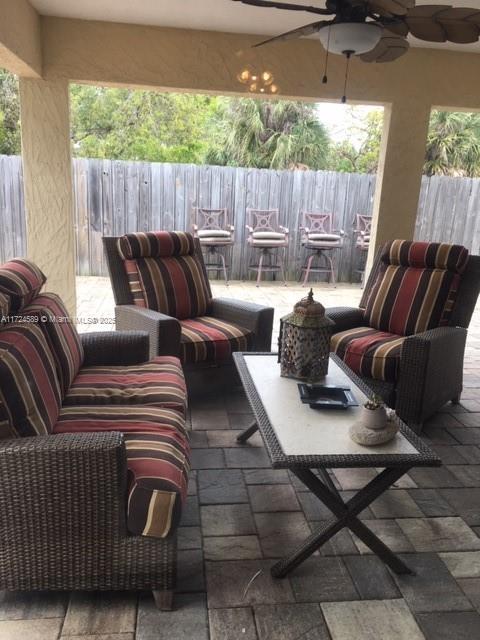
(268, 134)
(453, 144)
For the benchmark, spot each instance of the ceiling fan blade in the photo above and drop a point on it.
(391, 7)
(439, 23)
(307, 30)
(286, 5)
(388, 49)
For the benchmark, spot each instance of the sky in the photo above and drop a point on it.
(338, 118)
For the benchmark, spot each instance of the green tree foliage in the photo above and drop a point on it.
(139, 125)
(362, 158)
(453, 146)
(150, 126)
(9, 114)
(267, 134)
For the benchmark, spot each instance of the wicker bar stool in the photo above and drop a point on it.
(212, 228)
(267, 237)
(322, 242)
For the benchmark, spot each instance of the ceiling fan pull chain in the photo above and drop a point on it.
(347, 67)
(325, 79)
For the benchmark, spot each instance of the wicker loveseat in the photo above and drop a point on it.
(94, 456)
(407, 338)
(160, 285)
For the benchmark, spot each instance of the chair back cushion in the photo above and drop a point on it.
(165, 273)
(21, 280)
(29, 386)
(416, 286)
(61, 334)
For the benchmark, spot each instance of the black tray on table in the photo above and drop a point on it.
(321, 396)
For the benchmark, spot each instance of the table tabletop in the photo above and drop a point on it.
(296, 435)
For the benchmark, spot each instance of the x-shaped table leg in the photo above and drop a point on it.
(346, 516)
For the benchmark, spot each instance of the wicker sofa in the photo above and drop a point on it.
(160, 285)
(94, 456)
(407, 337)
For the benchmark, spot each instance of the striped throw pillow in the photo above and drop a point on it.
(22, 281)
(61, 334)
(29, 387)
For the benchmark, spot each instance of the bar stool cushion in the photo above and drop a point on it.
(268, 235)
(213, 233)
(324, 237)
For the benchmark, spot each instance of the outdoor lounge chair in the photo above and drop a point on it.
(407, 338)
(160, 285)
(94, 455)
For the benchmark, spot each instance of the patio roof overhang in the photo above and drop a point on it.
(50, 52)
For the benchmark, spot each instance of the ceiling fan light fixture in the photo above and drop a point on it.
(355, 37)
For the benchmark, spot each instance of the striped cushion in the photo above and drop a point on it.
(29, 387)
(164, 274)
(157, 460)
(368, 352)
(4, 306)
(22, 281)
(416, 288)
(208, 339)
(61, 334)
(425, 255)
(127, 419)
(158, 383)
(156, 244)
(174, 286)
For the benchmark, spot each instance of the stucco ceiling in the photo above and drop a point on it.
(215, 15)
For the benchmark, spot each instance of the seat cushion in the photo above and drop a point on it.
(29, 385)
(158, 383)
(324, 237)
(416, 286)
(268, 235)
(22, 281)
(157, 460)
(62, 336)
(208, 339)
(369, 352)
(213, 233)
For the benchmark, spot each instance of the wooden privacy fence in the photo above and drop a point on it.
(113, 197)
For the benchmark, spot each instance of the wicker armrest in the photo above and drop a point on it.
(345, 317)
(115, 347)
(254, 317)
(164, 331)
(59, 494)
(431, 371)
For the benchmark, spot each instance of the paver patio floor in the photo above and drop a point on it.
(241, 514)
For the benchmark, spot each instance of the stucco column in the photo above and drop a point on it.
(399, 176)
(47, 175)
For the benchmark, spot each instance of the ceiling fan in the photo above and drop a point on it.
(376, 30)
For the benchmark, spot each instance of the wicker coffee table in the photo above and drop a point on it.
(303, 439)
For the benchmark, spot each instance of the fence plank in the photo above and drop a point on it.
(114, 197)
